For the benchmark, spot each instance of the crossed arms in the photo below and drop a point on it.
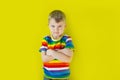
(64, 55)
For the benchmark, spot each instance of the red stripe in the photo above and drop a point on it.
(51, 65)
(44, 43)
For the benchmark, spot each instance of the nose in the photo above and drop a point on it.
(56, 29)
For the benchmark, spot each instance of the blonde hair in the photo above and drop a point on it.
(58, 15)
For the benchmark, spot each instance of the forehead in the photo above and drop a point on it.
(53, 21)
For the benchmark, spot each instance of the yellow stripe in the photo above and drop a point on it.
(55, 61)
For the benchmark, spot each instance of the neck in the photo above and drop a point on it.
(56, 37)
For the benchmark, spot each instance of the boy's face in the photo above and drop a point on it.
(56, 28)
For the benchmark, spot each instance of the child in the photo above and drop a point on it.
(56, 49)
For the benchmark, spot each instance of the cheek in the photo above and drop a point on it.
(62, 30)
(51, 30)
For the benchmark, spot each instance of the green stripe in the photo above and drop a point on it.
(64, 77)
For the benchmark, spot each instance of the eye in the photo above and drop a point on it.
(60, 26)
(52, 26)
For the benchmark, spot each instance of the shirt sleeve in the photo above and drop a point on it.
(44, 46)
(69, 43)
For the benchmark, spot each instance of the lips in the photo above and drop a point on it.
(56, 32)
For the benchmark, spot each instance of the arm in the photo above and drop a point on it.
(66, 51)
(59, 55)
(46, 58)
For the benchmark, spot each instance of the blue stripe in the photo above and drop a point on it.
(48, 39)
(42, 49)
(64, 38)
(57, 74)
(69, 44)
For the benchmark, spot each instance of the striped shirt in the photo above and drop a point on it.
(56, 69)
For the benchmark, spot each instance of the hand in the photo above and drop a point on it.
(50, 52)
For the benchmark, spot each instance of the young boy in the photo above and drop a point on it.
(56, 49)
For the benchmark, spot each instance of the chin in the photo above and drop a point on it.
(56, 36)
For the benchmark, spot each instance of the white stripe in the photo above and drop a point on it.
(44, 47)
(68, 39)
(63, 68)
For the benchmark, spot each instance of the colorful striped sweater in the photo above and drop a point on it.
(56, 69)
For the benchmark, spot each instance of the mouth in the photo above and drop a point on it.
(56, 32)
